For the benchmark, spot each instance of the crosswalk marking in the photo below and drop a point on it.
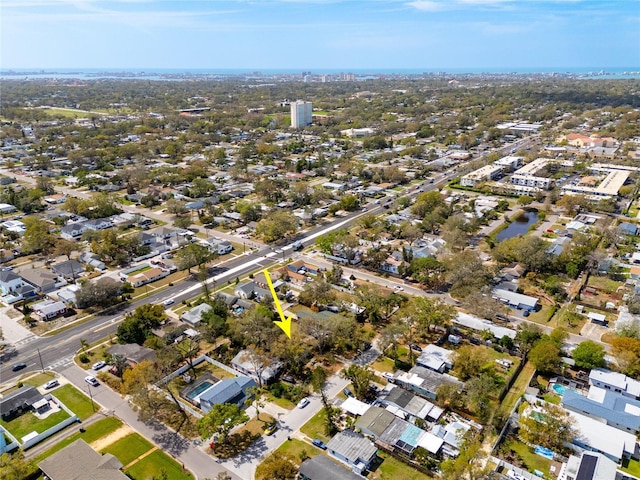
(63, 362)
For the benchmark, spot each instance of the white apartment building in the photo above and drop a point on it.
(488, 172)
(525, 176)
(301, 114)
(509, 162)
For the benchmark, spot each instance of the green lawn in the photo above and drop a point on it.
(384, 364)
(92, 433)
(314, 428)
(39, 379)
(631, 466)
(392, 469)
(28, 422)
(604, 283)
(292, 449)
(75, 400)
(529, 458)
(154, 464)
(518, 387)
(128, 448)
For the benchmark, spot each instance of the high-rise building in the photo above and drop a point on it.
(301, 113)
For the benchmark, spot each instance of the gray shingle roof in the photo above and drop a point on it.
(79, 461)
(352, 446)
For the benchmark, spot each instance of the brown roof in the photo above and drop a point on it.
(79, 461)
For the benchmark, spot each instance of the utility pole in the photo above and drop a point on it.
(40, 357)
(93, 406)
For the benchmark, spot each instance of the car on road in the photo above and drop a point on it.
(270, 429)
(398, 287)
(303, 403)
(91, 381)
(415, 347)
(319, 443)
(18, 366)
(278, 250)
(51, 383)
(98, 365)
(168, 302)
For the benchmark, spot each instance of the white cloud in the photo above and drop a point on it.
(427, 5)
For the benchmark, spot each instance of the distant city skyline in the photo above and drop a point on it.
(319, 34)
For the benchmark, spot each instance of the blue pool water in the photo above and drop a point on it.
(544, 452)
(199, 389)
(560, 389)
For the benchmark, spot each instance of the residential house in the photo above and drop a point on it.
(392, 263)
(68, 294)
(9, 282)
(79, 461)
(48, 309)
(69, 270)
(194, 315)
(19, 401)
(628, 228)
(452, 434)
(424, 381)
(436, 358)
(322, 468)
(133, 352)
(515, 300)
(230, 390)
(98, 224)
(250, 290)
(589, 466)
(613, 408)
(405, 404)
(217, 245)
(92, 260)
(374, 421)
(616, 382)
(42, 280)
(73, 231)
(7, 208)
(353, 449)
(258, 367)
(138, 278)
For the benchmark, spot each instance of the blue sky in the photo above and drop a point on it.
(317, 34)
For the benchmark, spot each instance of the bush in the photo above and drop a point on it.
(83, 358)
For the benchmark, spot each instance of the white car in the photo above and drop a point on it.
(50, 384)
(168, 302)
(303, 403)
(398, 287)
(92, 381)
(98, 365)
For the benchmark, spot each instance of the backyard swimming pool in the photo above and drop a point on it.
(193, 394)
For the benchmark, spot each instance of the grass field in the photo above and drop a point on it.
(128, 448)
(384, 364)
(28, 422)
(392, 469)
(314, 428)
(153, 465)
(293, 450)
(75, 400)
(631, 466)
(92, 433)
(39, 379)
(518, 388)
(528, 456)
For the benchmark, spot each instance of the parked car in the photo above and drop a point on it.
(348, 392)
(98, 365)
(388, 376)
(18, 366)
(270, 430)
(91, 381)
(415, 347)
(319, 443)
(51, 383)
(303, 403)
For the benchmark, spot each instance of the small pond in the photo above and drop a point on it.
(519, 226)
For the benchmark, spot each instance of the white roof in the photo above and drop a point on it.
(615, 379)
(480, 324)
(514, 298)
(597, 316)
(430, 442)
(354, 406)
(602, 437)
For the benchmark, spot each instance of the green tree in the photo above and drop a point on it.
(36, 237)
(545, 356)
(276, 468)
(137, 326)
(360, 378)
(221, 419)
(13, 466)
(552, 427)
(349, 203)
(526, 335)
(276, 225)
(470, 361)
(65, 247)
(588, 355)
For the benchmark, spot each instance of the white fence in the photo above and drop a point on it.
(73, 418)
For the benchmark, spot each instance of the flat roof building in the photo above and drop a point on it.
(488, 172)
